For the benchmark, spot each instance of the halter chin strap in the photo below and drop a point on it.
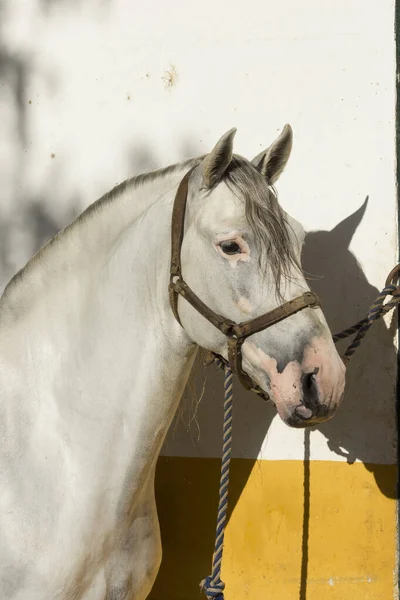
(235, 332)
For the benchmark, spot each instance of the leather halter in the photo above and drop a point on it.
(235, 332)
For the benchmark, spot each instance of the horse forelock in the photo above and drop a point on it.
(265, 217)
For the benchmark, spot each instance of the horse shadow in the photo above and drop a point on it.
(364, 428)
(359, 430)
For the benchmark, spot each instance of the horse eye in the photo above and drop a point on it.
(230, 248)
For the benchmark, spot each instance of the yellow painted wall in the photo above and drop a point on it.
(337, 542)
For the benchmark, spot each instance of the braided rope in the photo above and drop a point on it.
(213, 586)
(376, 310)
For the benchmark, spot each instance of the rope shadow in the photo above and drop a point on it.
(306, 517)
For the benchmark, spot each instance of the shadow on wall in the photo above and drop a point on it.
(359, 431)
(27, 219)
(48, 5)
(29, 228)
(25, 223)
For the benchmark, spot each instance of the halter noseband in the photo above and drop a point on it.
(235, 332)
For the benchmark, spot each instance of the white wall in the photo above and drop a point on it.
(93, 92)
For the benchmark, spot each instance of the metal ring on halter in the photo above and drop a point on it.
(393, 279)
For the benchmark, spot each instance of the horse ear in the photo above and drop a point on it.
(272, 161)
(215, 163)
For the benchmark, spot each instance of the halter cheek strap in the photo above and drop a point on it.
(235, 332)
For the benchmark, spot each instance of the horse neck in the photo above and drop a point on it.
(149, 354)
(105, 336)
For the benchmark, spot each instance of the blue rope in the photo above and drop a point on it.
(376, 310)
(213, 586)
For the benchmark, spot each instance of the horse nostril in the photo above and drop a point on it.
(309, 380)
(310, 390)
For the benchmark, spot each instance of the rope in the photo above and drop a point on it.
(376, 310)
(213, 586)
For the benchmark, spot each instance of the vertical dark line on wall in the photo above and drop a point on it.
(306, 517)
(397, 42)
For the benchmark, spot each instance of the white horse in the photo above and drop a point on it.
(93, 364)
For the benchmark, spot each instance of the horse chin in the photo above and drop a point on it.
(297, 419)
(296, 423)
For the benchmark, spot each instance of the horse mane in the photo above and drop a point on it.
(100, 208)
(263, 213)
